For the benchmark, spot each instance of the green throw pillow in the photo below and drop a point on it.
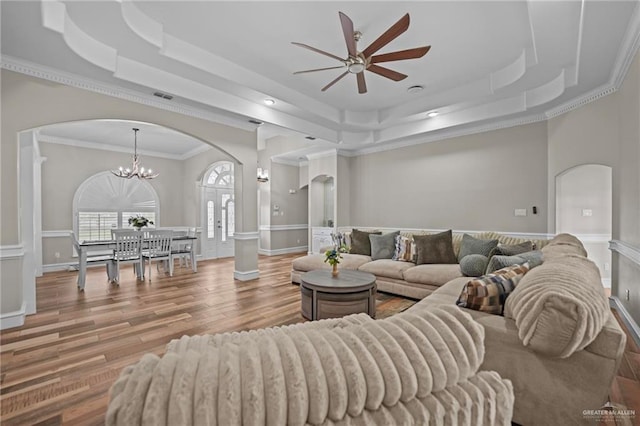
(471, 245)
(383, 246)
(360, 243)
(435, 248)
(473, 265)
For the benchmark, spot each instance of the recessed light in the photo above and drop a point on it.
(433, 114)
(415, 89)
(269, 102)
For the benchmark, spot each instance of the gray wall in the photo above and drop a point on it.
(29, 103)
(467, 183)
(607, 131)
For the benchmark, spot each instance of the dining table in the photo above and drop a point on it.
(86, 246)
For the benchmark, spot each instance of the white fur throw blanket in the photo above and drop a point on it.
(417, 367)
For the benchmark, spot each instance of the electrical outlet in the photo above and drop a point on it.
(57, 255)
(520, 212)
(587, 212)
(298, 241)
(607, 266)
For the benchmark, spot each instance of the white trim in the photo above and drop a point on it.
(247, 275)
(630, 252)
(322, 154)
(11, 252)
(606, 282)
(287, 250)
(628, 49)
(285, 161)
(13, 319)
(530, 235)
(272, 228)
(65, 266)
(632, 326)
(57, 233)
(73, 80)
(244, 236)
(593, 238)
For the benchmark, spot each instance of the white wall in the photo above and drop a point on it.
(472, 183)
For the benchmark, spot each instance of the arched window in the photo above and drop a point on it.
(221, 175)
(104, 202)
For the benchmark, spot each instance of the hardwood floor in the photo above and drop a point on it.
(59, 366)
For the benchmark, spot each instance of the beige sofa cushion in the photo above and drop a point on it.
(556, 250)
(386, 268)
(437, 274)
(560, 306)
(312, 262)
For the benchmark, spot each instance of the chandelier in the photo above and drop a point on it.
(135, 170)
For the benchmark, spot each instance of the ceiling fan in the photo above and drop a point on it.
(357, 62)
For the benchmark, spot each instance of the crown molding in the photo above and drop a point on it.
(581, 101)
(285, 161)
(322, 154)
(628, 50)
(11, 63)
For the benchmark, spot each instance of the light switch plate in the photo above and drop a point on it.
(587, 212)
(520, 212)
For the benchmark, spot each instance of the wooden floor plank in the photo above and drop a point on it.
(58, 367)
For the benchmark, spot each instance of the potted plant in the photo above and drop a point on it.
(333, 256)
(139, 222)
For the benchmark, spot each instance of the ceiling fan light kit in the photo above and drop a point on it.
(357, 62)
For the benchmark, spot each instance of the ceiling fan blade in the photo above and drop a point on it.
(400, 55)
(394, 31)
(322, 52)
(347, 29)
(335, 81)
(319, 69)
(362, 85)
(386, 72)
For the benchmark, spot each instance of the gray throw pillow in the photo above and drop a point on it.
(360, 243)
(474, 265)
(383, 246)
(498, 261)
(471, 245)
(513, 249)
(435, 248)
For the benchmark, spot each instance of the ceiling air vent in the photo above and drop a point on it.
(163, 95)
(311, 138)
(256, 122)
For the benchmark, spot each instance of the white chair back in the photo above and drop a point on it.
(159, 243)
(128, 244)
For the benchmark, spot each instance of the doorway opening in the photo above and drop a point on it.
(218, 215)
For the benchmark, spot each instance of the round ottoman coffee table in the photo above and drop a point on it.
(326, 296)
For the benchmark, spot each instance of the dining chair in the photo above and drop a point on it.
(128, 250)
(158, 248)
(105, 259)
(183, 250)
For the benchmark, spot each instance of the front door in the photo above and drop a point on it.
(219, 226)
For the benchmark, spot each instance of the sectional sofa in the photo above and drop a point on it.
(557, 340)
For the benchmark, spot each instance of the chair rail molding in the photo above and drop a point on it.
(633, 327)
(11, 251)
(57, 233)
(532, 235)
(627, 250)
(283, 227)
(243, 236)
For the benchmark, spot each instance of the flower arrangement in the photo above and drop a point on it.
(333, 256)
(139, 222)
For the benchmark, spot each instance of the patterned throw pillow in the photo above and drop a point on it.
(383, 246)
(489, 292)
(360, 243)
(471, 245)
(473, 265)
(405, 249)
(435, 248)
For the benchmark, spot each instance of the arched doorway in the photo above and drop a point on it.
(218, 215)
(584, 208)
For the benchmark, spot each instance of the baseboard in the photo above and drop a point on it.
(247, 275)
(287, 250)
(57, 267)
(13, 319)
(628, 320)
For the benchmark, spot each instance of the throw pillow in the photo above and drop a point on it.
(435, 248)
(405, 249)
(534, 258)
(488, 293)
(360, 243)
(471, 245)
(513, 249)
(473, 265)
(383, 246)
